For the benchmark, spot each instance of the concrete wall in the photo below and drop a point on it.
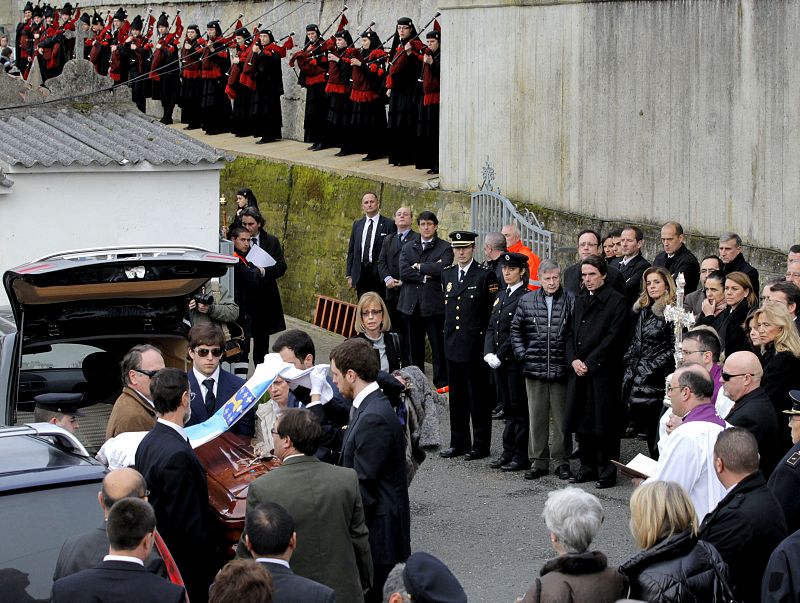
(645, 111)
(50, 211)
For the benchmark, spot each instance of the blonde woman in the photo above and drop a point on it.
(649, 358)
(780, 357)
(674, 566)
(374, 325)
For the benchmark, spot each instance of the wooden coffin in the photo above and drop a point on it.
(231, 465)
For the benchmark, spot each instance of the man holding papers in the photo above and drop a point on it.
(267, 255)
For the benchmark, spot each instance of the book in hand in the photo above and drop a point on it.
(640, 466)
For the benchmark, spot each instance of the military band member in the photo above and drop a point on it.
(428, 123)
(266, 108)
(163, 71)
(508, 379)
(118, 66)
(340, 108)
(469, 290)
(215, 105)
(191, 77)
(21, 42)
(368, 124)
(404, 70)
(312, 61)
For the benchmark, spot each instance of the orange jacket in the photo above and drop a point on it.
(533, 263)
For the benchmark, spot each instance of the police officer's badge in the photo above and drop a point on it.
(494, 288)
(449, 287)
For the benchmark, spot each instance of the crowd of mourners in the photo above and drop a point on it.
(232, 80)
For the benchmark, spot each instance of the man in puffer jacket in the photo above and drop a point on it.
(538, 337)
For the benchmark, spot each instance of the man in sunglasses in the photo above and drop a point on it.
(133, 410)
(210, 385)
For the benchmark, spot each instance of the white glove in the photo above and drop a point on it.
(319, 379)
(492, 360)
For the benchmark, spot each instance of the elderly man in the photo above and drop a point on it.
(632, 264)
(494, 245)
(514, 244)
(748, 523)
(730, 252)
(121, 575)
(693, 302)
(752, 408)
(133, 410)
(87, 550)
(785, 480)
(688, 455)
(332, 544)
(793, 272)
(538, 338)
(422, 578)
(589, 246)
(676, 257)
(389, 265)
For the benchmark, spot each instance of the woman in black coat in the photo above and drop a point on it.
(674, 566)
(650, 358)
(244, 198)
(374, 325)
(739, 300)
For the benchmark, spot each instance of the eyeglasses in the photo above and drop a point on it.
(728, 376)
(669, 389)
(203, 352)
(274, 431)
(687, 352)
(150, 374)
(371, 312)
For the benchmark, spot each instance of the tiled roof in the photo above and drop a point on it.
(99, 137)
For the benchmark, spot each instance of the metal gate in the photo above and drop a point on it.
(491, 211)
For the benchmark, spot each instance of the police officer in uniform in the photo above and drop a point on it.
(507, 374)
(784, 482)
(469, 290)
(59, 409)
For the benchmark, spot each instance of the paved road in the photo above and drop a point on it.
(487, 525)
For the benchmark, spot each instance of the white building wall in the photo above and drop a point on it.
(45, 212)
(648, 110)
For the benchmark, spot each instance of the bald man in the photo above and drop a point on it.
(87, 550)
(514, 244)
(752, 408)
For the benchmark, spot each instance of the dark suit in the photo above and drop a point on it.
(739, 264)
(228, 385)
(745, 527)
(85, 551)
(291, 588)
(784, 483)
(572, 282)
(422, 302)
(632, 272)
(118, 581)
(468, 305)
(389, 266)
(682, 261)
(332, 538)
(269, 319)
(508, 377)
(374, 445)
(179, 496)
(365, 274)
(754, 413)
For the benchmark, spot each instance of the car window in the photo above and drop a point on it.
(35, 524)
(57, 356)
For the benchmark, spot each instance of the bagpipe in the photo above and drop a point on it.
(162, 47)
(115, 63)
(99, 41)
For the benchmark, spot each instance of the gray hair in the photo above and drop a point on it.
(574, 516)
(394, 583)
(548, 265)
(727, 236)
(495, 240)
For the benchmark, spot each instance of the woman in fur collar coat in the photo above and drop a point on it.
(649, 358)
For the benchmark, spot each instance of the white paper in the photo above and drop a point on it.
(260, 258)
(643, 464)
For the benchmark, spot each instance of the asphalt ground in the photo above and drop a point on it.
(487, 525)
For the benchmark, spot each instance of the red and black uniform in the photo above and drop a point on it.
(215, 105)
(266, 107)
(403, 80)
(136, 55)
(340, 108)
(428, 123)
(313, 64)
(53, 53)
(34, 31)
(164, 67)
(192, 79)
(69, 30)
(367, 93)
(240, 89)
(118, 64)
(100, 54)
(21, 42)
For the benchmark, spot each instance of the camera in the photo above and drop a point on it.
(203, 298)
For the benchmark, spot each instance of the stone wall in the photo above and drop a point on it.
(649, 111)
(311, 211)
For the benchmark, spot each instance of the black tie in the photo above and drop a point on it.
(425, 245)
(353, 411)
(254, 241)
(367, 244)
(460, 275)
(508, 292)
(211, 399)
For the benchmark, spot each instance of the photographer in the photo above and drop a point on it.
(212, 303)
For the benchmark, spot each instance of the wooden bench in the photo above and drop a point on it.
(335, 315)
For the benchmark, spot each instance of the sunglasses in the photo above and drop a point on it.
(203, 352)
(728, 376)
(150, 374)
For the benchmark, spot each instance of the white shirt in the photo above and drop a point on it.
(174, 426)
(123, 558)
(513, 288)
(364, 393)
(271, 560)
(201, 377)
(145, 398)
(465, 269)
(369, 244)
(688, 459)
